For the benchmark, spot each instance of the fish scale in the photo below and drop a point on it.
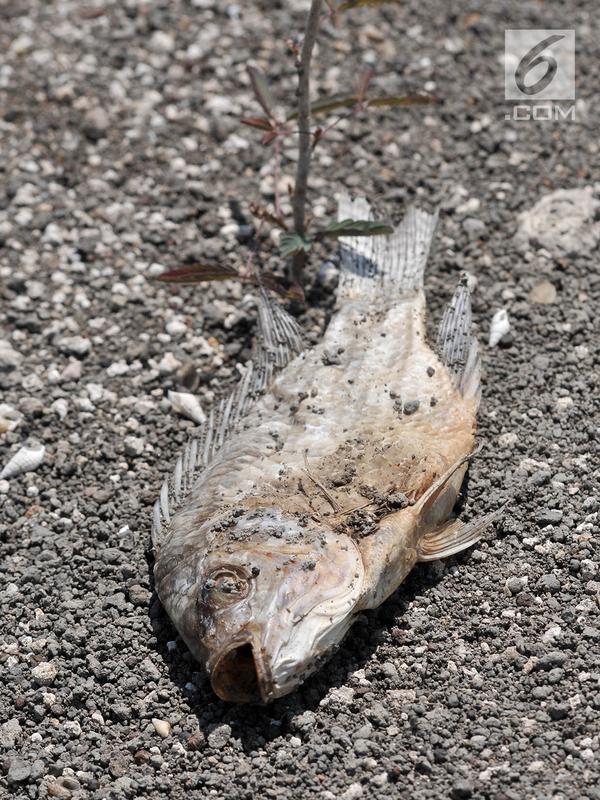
(325, 476)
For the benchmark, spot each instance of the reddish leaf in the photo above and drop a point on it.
(289, 292)
(363, 83)
(198, 273)
(317, 136)
(203, 273)
(263, 213)
(268, 137)
(262, 123)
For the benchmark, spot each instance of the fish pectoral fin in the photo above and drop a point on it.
(452, 537)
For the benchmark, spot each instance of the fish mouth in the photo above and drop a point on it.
(239, 674)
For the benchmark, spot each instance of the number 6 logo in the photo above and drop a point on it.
(531, 59)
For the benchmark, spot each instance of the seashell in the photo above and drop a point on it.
(187, 404)
(24, 460)
(500, 327)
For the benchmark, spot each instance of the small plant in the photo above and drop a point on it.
(297, 235)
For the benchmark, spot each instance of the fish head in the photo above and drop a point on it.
(273, 594)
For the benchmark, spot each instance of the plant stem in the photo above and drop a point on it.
(304, 139)
(277, 176)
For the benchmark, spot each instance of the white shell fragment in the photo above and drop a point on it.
(500, 327)
(24, 460)
(187, 404)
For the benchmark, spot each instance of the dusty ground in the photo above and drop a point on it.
(119, 154)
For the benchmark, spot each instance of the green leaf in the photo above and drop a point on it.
(354, 227)
(406, 100)
(261, 89)
(325, 104)
(350, 4)
(291, 243)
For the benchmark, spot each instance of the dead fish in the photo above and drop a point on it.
(326, 476)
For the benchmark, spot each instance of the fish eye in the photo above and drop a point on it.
(225, 585)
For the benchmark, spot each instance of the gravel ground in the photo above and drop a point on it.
(120, 152)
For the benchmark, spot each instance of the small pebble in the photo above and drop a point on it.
(45, 673)
(162, 727)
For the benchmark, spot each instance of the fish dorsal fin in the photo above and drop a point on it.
(453, 537)
(279, 341)
(383, 267)
(458, 346)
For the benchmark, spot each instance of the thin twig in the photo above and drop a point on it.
(352, 510)
(304, 140)
(331, 500)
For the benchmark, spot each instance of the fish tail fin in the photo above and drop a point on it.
(378, 267)
(457, 345)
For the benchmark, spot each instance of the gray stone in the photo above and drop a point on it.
(134, 446)
(462, 789)
(219, 736)
(9, 357)
(149, 670)
(96, 123)
(549, 583)
(19, 771)
(550, 516)
(10, 732)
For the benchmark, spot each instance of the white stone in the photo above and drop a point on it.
(72, 372)
(161, 42)
(74, 345)
(95, 392)
(353, 792)
(562, 222)
(9, 418)
(117, 369)
(168, 364)
(45, 673)
(60, 407)
(564, 404)
(176, 327)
